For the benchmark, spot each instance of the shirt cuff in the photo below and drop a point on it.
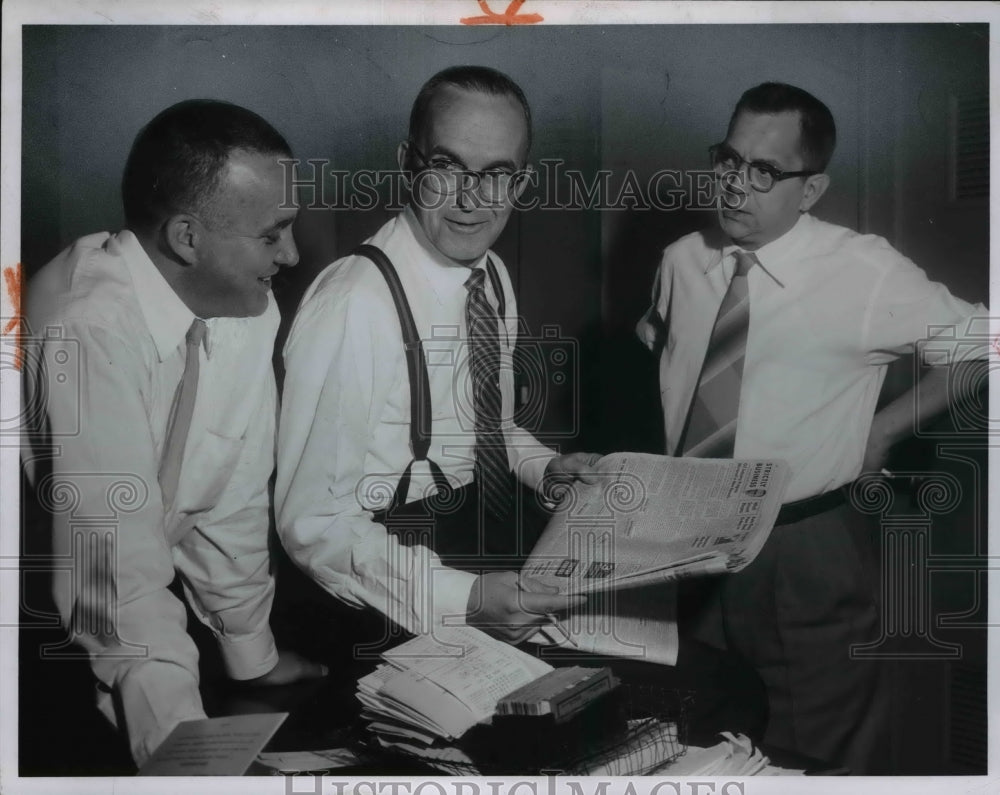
(531, 471)
(451, 596)
(249, 656)
(155, 697)
(650, 329)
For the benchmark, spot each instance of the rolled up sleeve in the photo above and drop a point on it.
(340, 365)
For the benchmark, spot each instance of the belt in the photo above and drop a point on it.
(812, 506)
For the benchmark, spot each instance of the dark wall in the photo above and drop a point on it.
(623, 99)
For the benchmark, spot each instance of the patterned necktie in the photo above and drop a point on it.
(711, 425)
(179, 423)
(492, 466)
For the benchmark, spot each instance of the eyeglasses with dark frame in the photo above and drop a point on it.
(763, 176)
(491, 184)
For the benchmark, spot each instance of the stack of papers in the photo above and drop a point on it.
(648, 746)
(734, 756)
(436, 687)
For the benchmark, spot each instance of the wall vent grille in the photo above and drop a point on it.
(971, 146)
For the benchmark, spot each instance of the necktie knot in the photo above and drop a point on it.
(744, 262)
(475, 280)
(196, 332)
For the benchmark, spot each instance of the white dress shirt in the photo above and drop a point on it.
(829, 309)
(344, 432)
(112, 331)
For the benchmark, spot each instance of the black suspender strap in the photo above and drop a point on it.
(416, 366)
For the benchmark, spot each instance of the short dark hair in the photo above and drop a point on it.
(471, 78)
(818, 133)
(178, 158)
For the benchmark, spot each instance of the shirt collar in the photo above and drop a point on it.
(167, 316)
(774, 257)
(444, 275)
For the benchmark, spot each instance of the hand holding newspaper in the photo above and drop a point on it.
(649, 521)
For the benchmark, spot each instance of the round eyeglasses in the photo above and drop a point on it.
(446, 177)
(762, 176)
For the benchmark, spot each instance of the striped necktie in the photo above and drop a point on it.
(492, 466)
(711, 425)
(181, 411)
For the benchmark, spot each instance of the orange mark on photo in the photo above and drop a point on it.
(508, 17)
(12, 279)
(996, 344)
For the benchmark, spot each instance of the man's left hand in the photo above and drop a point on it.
(291, 667)
(562, 470)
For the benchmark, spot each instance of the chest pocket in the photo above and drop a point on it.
(216, 459)
(792, 371)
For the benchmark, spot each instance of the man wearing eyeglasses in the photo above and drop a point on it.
(774, 332)
(389, 464)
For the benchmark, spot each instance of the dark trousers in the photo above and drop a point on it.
(798, 613)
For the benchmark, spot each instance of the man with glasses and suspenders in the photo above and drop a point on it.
(397, 455)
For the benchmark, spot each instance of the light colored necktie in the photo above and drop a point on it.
(179, 422)
(492, 466)
(711, 424)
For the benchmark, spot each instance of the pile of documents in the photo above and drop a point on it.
(734, 756)
(431, 690)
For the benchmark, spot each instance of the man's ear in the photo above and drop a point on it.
(182, 233)
(526, 175)
(402, 156)
(402, 151)
(815, 187)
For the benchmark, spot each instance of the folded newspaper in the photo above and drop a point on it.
(647, 522)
